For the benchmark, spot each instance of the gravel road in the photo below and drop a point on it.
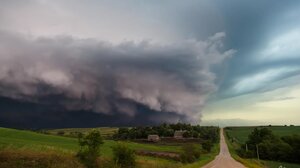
(224, 159)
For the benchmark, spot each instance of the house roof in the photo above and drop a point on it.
(179, 133)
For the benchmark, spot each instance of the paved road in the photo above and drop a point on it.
(224, 159)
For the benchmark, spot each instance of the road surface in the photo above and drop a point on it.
(224, 159)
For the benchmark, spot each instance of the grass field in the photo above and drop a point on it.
(31, 140)
(240, 134)
(13, 141)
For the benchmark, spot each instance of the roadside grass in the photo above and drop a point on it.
(205, 158)
(250, 163)
(150, 162)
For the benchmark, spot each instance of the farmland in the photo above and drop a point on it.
(239, 135)
(46, 147)
(36, 141)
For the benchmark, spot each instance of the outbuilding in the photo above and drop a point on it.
(179, 134)
(153, 138)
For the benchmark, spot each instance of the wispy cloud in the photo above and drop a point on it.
(283, 47)
(262, 80)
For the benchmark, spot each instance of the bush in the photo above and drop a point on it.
(190, 153)
(275, 150)
(207, 145)
(123, 156)
(294, 142)
(90, 148)
(60, 133)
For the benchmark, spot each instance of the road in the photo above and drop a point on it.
(224, 159)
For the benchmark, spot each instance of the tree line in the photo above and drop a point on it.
(263, 143)
(168, 130)
(124, 157)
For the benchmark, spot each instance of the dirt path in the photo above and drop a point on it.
(224, 159)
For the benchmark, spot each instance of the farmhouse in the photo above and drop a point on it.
(179, 134)
(153, 138)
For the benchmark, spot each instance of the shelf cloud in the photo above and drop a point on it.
(92, 75)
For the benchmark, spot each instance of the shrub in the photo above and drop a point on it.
(294, 142)
(207, 145)
(60, 133)
(190, 153)
(275, 150)
(90, 148)
(123, 156)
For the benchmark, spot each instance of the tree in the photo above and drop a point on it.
(187, 134)
(257, 136)
(90, 148)
(123, 156)
(207, 145)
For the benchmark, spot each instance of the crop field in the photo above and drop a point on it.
(241, 133)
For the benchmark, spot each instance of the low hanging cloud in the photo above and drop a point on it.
(86, 74)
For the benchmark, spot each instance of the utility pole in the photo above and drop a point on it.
(257, 152)
(246, 147)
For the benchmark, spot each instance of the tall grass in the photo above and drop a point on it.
(12, 158)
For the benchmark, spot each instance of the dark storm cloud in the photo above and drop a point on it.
(20, 114)
(110, 79)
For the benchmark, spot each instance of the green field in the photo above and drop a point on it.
(31, 140)
(240, 135)
(13, 140)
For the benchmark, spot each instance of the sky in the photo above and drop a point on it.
(73, 63)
